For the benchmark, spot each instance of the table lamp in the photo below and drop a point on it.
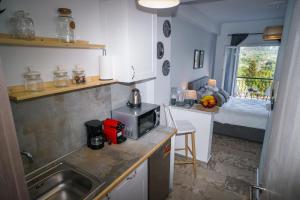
(212, 83)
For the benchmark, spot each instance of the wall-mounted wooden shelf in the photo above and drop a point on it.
(6, 39)
(18, 93)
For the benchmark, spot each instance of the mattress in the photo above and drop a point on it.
(250, 113)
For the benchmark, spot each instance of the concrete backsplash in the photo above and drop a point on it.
(53, 126)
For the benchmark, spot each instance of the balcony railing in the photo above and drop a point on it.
(259, 88)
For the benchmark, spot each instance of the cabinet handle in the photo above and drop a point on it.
(133, 72)
(131, 177)
(108, 196)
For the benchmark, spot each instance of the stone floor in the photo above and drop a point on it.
(227, 176)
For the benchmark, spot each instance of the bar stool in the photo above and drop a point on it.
(184, 128)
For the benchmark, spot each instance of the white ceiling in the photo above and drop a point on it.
(223, 11)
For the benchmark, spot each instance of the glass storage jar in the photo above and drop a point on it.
(61, 78)
(33, 81)
(78, 75)
(22, 25)
(65, 25)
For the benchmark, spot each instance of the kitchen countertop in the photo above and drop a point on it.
(113, 163)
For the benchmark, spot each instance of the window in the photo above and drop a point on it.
(255, 71)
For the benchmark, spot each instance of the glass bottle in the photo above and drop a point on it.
(61, 78)
(33, 81)
(173, 95)
(65, 25)
(22, 25)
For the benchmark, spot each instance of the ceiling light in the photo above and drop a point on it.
(159, 4)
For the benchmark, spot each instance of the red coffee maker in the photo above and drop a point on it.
(114, 131)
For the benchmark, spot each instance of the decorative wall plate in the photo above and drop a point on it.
(160, 50)
(166, 68)
(167, 28)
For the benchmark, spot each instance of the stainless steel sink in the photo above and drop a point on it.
(62, 182)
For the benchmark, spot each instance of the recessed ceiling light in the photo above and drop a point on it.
(159, 4)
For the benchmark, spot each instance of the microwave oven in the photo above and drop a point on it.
(138, 121)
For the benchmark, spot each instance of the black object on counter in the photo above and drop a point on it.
(95, 137)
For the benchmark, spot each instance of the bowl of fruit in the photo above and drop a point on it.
(208, 101)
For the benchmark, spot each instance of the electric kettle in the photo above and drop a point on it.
(134, 99)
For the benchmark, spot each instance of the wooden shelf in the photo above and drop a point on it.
(6, 39)
(18, 93)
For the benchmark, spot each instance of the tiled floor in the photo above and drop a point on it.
(227, 176)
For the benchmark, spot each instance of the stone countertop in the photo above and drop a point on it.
(113, 163)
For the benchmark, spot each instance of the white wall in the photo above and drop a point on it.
(185, 39)
(158, 90)
(163, 83)
(146, 88)
(223, 40)
(44, 13)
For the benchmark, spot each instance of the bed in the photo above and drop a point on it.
(239, 117)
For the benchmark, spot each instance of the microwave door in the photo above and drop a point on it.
(147, 122)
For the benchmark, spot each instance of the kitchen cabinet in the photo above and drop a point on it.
(131, 39)
(133, 187)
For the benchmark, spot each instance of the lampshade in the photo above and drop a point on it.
(212, 82)
(159, 3)
(191, 94)
(273, 33)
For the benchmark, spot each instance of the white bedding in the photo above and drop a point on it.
(251, 113)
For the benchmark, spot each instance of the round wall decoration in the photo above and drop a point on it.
(167, 28)
(166, 68)
(160, 50)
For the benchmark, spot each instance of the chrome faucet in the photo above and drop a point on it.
(27, 155)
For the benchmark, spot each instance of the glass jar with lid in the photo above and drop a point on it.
(65, 25)
(22, 25)
(78, 75)
(33, 81)
(61, 78)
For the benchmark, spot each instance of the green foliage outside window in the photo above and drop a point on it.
(257, 67)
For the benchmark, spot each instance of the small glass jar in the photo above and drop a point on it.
(173, 95)
(22, 25)
(33, 81)
(61, 78)
(78, 75)
(65, 25)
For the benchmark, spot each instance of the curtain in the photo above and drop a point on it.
(237, 39)
(230, 62)
(230, 69)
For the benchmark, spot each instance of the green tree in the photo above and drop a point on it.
(255, 63)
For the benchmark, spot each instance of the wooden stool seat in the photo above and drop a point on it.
(184, 128)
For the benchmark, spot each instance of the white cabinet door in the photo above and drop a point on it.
(134, 187)
(142, 42)
(130, 38)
